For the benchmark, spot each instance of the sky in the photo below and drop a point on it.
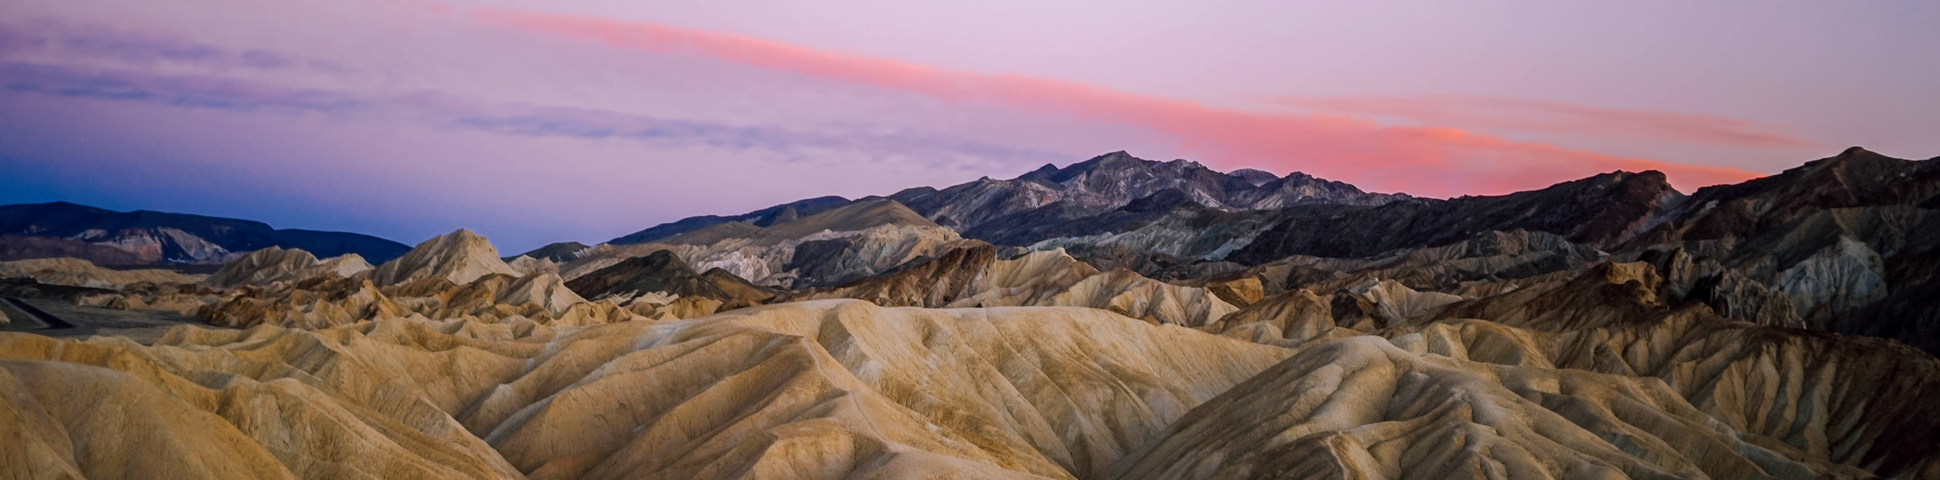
(539, 121)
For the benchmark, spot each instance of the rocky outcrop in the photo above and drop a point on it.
(1847, 242)
(663, 273)
(330, 301)
(972, 276)
(272, 265)
(458, 257)
(558, 252)
(826, 249)
(525, 265)
(1126, 293)
(1601, 211)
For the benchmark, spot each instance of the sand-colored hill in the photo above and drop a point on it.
(458, 257)
(835, 389)
(1824, 404)
(847, 389)
(972, 276)
(274, 264)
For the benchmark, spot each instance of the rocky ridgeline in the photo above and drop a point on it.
(1116, 319)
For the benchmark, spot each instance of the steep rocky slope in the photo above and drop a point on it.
(1599, 211)
(274, 264)
(1851, 243)
(663, 273)
(559, 252)
(829, 248)
(457, 257)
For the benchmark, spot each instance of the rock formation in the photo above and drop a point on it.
(829, 248)
(275, 264)
(663, 273)
(972, 276)
(458, 257)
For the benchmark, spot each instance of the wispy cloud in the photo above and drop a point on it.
(1420, 159)
(935, 151)
(443, 111)
(1511, 114)
(75, 41)
(176, 90)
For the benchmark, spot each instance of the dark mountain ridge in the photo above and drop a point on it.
(169, 238)
(997, 209)
(778, 214)
(1600, 211)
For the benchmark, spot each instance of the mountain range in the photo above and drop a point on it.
(1117, 318)
(62, 229)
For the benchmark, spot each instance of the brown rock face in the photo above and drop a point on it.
(662, 272)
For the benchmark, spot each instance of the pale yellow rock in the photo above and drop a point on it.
(1030, 279)
(829, 389)
(1396, 304)
(345, 265)
(530, 266)
(459, 257)
(543, 290)
(1364, 408)
(1127, 293)
(1584, 376)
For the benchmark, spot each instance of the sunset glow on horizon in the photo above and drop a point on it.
(535, 123)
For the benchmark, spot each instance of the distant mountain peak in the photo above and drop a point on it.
(1254, 177)
(1099, 184)
(157, 238)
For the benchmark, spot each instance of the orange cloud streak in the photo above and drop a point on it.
(1416, 159)
(1558, 117)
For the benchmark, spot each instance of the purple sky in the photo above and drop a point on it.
(537, 121)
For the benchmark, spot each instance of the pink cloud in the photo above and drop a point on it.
(1423, 160)
(1557, 117)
